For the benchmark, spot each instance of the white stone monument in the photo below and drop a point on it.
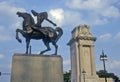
(82, 56)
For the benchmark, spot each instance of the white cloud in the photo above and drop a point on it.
(100, 21)
(8, 12)
(105, 36)
(72, 18)
(99, 10)
(4, 36)
(1, 56)
(117, 37)
(85, 4)
(8, 20)
(66, 62)
(111, 12)
(16, 25)
(5, 66)
(113, 64)
(77, 18)
(66, 17)
(57, 15)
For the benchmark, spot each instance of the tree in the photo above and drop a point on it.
(100, 73)
(103, 74)
(67, 76)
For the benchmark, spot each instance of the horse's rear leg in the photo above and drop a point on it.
(47, 45)
(56, 47)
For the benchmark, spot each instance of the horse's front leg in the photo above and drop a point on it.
(17, 37)
(27, 45)
(56, 47)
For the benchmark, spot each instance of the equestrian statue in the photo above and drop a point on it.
(30, 30)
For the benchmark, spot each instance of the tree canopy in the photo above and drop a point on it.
(100, 73)
(67, 76)
(103, 74)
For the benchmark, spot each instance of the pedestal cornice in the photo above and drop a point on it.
(81, 38)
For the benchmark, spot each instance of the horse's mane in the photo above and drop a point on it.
(31, 19)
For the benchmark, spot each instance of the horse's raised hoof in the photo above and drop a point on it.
(26, 53)
(19, 40)
(41, 53)
(54, 54)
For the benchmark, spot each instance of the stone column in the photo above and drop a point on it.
(80, 58)
(93, 68)
(78, 62)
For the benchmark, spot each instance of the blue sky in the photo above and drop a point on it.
(103, 17)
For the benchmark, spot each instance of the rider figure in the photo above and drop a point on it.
(40, 18)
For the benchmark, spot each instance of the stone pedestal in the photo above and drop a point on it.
(36, 68)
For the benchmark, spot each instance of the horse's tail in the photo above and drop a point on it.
(59, 34)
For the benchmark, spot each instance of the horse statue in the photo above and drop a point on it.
(30, 31)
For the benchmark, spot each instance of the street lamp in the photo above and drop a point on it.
(103, 58)
(83, 72)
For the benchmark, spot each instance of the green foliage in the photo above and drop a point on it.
(103, 74)
(67, 76)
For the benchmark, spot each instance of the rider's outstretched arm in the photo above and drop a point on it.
(51, 22)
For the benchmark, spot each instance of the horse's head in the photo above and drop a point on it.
(19, 14)
(22, 14)
(28, 19)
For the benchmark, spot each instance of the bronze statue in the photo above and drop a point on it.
(40, 18)
(36, 31)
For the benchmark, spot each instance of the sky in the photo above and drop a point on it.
(103, 17)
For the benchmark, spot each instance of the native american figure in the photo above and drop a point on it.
(36, 31)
